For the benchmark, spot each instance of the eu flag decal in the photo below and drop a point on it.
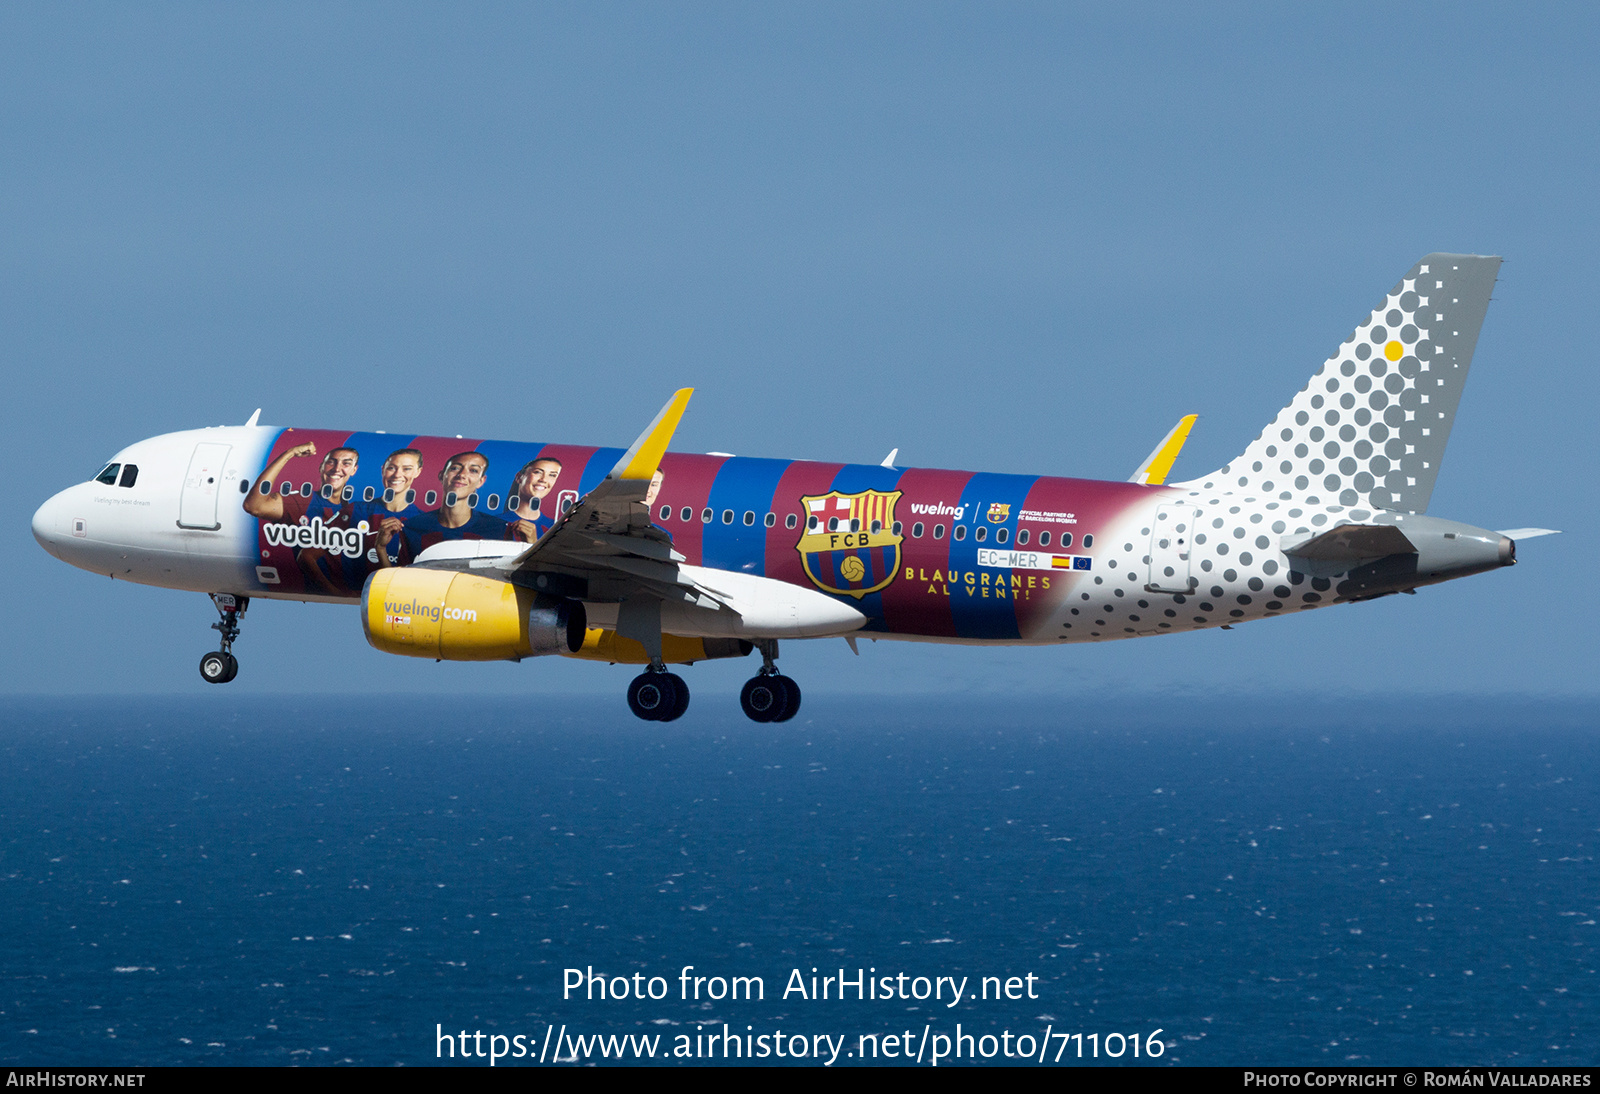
(851, 542)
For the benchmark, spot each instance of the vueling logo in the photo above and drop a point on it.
(337, 541)
(399, 614)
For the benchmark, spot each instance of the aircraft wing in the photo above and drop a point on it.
(607, 538)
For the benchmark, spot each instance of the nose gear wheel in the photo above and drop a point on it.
(220, 666)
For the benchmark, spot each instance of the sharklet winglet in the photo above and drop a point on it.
(643, 457)
(1153, 471)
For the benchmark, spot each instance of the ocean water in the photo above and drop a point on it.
(1267, 881)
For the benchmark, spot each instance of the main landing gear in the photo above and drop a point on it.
(769, 696)
(221, 666)
(657, 695)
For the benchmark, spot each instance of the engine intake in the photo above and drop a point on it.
(445, 615)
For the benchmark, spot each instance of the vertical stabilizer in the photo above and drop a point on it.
(1371, 427)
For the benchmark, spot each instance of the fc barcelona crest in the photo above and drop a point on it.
(851, 543)
(999, 512)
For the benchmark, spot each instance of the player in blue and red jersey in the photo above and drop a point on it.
(461, 478)
(536, 479)
(385, 516)
(329, 505)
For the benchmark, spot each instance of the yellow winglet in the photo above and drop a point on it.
(642, 459)
(1153, 471)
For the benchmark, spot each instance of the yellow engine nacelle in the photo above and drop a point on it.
(447, 615)
(676, 649)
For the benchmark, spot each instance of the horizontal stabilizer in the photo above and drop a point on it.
(1527, 533)
(1342, 549)
(1153, 471)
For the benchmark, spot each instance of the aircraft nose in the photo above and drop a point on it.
(50, 524)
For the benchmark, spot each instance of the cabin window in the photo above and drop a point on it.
(109, 475)
(790, 521)
(244, 486)
(449, 498)
(430, 497)
(388, 495)
(960, 531)
(666, 512)
(411, 496)
(514, 502)
(772, 519)
(1066, 539)
(266, 487)
(877, 526)
(938, 531)
(749, 518)
(472, 500)
(1044, 540)
(347, 493)
(566, 504)
(326, 491)
(305, 490)
(706, 515)
(1088, 541)
(727, 516)
(981, 533)
(369, 493)
(130, 475)
(1001, 535)
(833, 524)
(896, 528)
(494, 501)
(1022, 537)
(686, 514)
(916, 530)
(286, 488)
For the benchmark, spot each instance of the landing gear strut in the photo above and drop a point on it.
(769, 696)
(657, 695)
(221, 666)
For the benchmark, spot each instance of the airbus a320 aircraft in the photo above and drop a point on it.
(474, 550)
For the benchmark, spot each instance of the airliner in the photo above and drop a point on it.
(466, 549)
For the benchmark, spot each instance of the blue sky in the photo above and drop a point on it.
(999, 237)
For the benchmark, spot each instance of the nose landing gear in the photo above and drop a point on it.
(657, 695)
(220, 666)
(769, 696)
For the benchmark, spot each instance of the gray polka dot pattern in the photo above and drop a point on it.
(1370, 427)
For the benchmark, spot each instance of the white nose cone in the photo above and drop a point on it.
(49, 524)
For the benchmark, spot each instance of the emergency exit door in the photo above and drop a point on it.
(1171, 540)
(202, 486)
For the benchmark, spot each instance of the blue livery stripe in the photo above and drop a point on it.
(977, 615)
(743, 485)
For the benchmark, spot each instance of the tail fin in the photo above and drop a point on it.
(1371, 426)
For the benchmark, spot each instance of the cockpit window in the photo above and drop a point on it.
(130, 474)
(109, 475)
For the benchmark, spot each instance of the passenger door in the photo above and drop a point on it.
(197, 507)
